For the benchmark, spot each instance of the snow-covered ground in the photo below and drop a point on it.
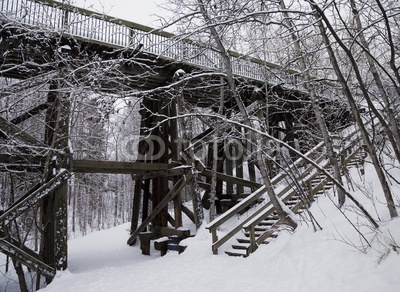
(334, 259)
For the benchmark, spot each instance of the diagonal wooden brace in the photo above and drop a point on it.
(9, 130)
(26, 257)
(170, 196)
(31, 198)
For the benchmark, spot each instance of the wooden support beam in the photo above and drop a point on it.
(229, 167)
(137, 198)
(32, 112)
(53, 209)
(19, 159)
(100, 166)
(32, 197)
(188, 213)
(204, 185)
(163, 173)
(139, 183)
(10, 131)
(176, 149)
(224, 177)
(171, 219)
(239, 170)
(203, 137)
(171, 195)
(140, 170)
(19, 162)
(165, 231)
(25, 257)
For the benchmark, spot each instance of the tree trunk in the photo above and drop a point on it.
(379, 84)
(333, 159)
(370, 147)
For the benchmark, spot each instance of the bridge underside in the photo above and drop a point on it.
(179, 160)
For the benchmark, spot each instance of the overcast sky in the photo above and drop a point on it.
(139, 11)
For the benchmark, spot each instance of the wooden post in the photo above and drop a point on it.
(289, 138)
(137, 195)
(54, 207)
(253, 244)
(220, 166)
(141, 188)
(160, 184)
(214, 240)
(239, 170)
(229, 167)
(175, 148)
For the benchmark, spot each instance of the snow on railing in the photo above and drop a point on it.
(96, 27)
(346, 153)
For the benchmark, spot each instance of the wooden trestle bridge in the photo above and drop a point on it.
(61, 43)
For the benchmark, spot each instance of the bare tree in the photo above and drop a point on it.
(303, 56)
(355, 111)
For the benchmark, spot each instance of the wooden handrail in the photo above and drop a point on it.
(242, 205)
(284, 194)
(287, 193)
(300, 161)
(239, 207)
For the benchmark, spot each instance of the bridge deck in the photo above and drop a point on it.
(116, 34)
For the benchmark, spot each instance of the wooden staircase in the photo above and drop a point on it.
(263, 229)
(261, 223)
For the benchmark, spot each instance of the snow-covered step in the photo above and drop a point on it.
(256, 234)
(312, 182)
(301, 210)
(242, 246)
(274, 216)
(237, 253)
(243, 240)
(292, 203)
(261, 228)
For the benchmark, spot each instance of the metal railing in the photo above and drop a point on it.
(89, 25)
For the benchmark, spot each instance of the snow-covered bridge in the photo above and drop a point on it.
(102, 29)
(60, 47)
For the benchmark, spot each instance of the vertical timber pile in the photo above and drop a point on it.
(158, 144)
(54, 207)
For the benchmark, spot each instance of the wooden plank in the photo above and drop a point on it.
(171, 194)
(101, 166)
(31, 198)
